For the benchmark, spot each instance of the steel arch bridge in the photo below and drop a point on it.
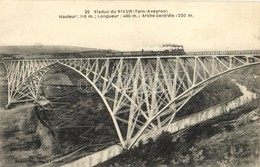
(147, 91)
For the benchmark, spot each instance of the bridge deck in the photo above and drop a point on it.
(236, 53)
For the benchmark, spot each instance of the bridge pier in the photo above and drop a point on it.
(7, 106)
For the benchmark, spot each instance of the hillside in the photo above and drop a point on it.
(33, 49)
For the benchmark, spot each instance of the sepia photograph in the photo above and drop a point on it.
(129, 83)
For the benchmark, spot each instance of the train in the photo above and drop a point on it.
(165, 50)
(171, 50)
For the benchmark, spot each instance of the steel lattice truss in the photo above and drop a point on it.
(142, 94)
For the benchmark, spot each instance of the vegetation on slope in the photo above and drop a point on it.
(215, 93)
(250, 77)
(24, 141)
(231, 143)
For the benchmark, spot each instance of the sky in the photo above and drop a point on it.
(214, 25)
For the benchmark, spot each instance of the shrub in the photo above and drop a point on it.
(193, 157)
(129, 163)
(231, 158)
(164, 145)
